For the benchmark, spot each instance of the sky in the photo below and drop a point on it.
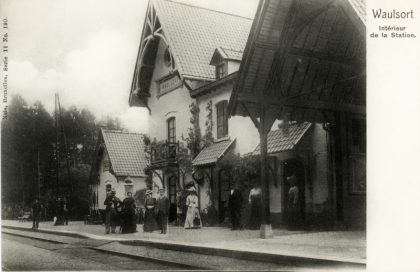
(84, 50)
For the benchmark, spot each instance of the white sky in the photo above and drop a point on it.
(85, 50)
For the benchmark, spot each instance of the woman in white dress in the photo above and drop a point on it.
(192, 212)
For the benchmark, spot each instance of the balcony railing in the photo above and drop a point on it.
(164, 153)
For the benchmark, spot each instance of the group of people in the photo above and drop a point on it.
(120, 213)
(235, 204)
(61, 212)
(123, 213)
(156, 212)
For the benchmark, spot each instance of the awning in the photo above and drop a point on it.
(284, 139)
(303, 62)
(213, 153)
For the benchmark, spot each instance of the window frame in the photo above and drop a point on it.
(220, 67)
(222, 124)
(170, 129)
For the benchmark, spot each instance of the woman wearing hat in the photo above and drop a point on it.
(193, 219)
(149, 216)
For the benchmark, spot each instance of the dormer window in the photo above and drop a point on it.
(225, 61)
(220, 70)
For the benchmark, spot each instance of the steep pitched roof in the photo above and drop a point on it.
(126, 152)
(213, 153)
(194, 33)
(282, 140)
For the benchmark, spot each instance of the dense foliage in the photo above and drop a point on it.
(30, 161)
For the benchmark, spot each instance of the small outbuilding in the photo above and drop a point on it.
(119, 163)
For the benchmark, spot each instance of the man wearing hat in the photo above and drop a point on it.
(112, 204)
(163, 210)
(149, 216)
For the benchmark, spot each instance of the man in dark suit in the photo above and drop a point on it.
(36, 210)
(235, 206)
(163, 210)
(112, 218)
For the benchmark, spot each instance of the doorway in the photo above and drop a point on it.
(224, 192)
(172, 198)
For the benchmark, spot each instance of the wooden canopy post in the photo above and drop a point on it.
(265, 231)
(264, 124)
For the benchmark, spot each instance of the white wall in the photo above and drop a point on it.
(173, 104)
(241, 128)
(233, 66)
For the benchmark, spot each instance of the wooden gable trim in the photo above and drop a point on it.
(153, 29)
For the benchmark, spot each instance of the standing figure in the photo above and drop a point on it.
(65, 212)
(59, 212)
(235, 206)
(163, 211)
(129, 224)
(112, 218)
(149, 216)
(36, 210)
(255, 202)
(293, 205)
(193, 219)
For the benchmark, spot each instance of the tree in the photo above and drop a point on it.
(242, 170)
(14, 132)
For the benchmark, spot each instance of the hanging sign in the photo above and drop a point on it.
(169, 83)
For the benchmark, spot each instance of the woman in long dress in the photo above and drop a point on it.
(128, 215)
(192, 212)
(255, 201)
(150, 216)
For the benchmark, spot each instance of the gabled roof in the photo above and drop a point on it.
(213, 153)
(284, 139)
(194, 33)
(126, 152)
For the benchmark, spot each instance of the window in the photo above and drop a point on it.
(167, 57)
(222, 121)
(220, 70)
(171, 130)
